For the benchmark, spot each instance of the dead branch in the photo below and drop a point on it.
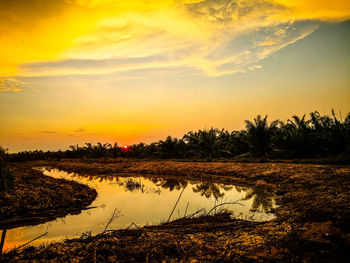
(31, 241)
(133, 224)
(176, 204)
(186, 208)
(113, 217)
(191, 215)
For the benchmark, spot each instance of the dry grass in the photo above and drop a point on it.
(36, 198)
(312, 223)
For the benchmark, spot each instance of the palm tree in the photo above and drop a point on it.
(329, 134)
(203, 143)
(74, 148)
(171, 147)
(297, 134)
(260, 135)
(299, 124)
(239, 142)
(115, 150)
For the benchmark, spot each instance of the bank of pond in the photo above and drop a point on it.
(136, 200)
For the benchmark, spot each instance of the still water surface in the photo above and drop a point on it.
(142, 200)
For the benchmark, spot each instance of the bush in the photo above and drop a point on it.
(6, 180)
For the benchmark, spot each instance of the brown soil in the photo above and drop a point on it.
(36, 198)
(312, 223)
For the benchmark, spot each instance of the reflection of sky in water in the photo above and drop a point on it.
(142, 201)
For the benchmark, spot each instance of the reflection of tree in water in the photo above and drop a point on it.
(170, 184)
(208, 189)
(239, 189)
(129, 184)
(132, 185)
(261, 199)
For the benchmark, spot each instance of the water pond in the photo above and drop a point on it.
(142, 200)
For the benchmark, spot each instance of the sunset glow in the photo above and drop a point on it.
(79, 71)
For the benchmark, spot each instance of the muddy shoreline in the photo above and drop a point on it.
(312, 221)
(37, 198)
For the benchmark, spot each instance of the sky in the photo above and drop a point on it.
(79, 71)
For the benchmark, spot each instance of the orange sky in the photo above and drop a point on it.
(87, 71)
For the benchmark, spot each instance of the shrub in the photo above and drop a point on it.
(6, 180)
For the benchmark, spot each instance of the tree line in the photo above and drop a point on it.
(318, 136)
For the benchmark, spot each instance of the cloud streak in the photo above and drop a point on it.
(214, 37)
(48, 132)
(226, 57)
(10, 84)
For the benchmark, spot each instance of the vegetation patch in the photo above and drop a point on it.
(322, 137)
(7, 179)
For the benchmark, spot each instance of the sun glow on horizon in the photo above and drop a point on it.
(138, 70)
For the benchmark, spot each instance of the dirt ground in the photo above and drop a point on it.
(36, 198)
(312, 223)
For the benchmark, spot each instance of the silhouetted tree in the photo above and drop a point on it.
(260, 135)
(6, 177)
(319, 136)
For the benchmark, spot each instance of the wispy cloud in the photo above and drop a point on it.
(214, 37)
(10, 84)
(279, 34)
(48, 132)
(214, 58)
